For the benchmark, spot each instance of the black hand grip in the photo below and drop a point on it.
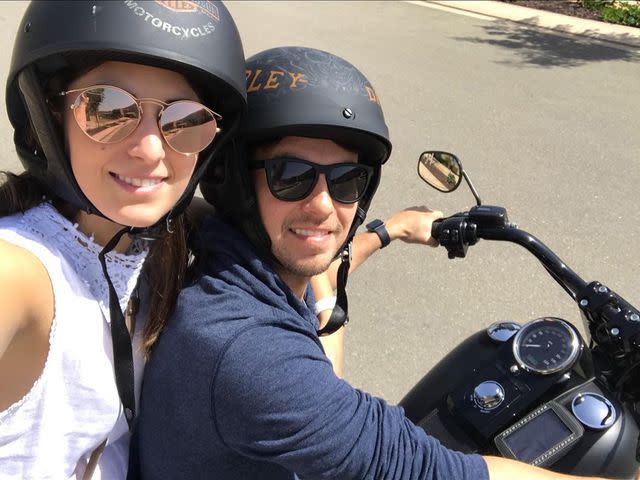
(436, 227)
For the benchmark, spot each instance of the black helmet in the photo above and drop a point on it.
(303, 92)
(197, 39)
(311, 93)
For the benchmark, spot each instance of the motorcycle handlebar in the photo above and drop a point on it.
(613, 322)
(457, 232)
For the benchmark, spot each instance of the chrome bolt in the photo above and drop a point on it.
(602, 289)
(347, 113)
(615, 331)
(488, 395)
(584, 302)
(513, 368)
(634, 317)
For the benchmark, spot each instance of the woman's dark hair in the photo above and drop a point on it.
(19, 193)
(165, 271)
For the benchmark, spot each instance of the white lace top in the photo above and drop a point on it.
(74, 405)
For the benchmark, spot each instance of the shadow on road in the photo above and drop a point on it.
(541, 48)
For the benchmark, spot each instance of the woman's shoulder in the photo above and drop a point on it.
(27, 235)
(18, 261)
(25, 287)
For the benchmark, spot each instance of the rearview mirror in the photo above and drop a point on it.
(441, 170)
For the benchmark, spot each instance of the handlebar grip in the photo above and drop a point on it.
(436, 228)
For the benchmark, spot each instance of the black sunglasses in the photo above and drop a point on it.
(291, 179)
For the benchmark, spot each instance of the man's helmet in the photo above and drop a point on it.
(198, 39)
(303, 92)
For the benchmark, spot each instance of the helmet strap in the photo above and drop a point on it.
(56, 169)
(340, 314)
(120, 338)
(169, 222)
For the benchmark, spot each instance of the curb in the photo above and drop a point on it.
(618, 34)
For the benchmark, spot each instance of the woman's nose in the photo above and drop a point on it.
(148, 142)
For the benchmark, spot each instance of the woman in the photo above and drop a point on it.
(118, 107)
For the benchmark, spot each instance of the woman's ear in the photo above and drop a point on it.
(56, 111)
(57, 116)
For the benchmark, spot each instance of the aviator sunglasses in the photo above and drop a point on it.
(291, 179)
(109, 114)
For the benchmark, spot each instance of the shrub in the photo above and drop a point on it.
(616, 11)
(596, 5)
(624, 14)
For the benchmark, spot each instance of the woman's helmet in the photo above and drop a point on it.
(303, 92)
(198, 39)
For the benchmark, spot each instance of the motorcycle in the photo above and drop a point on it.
(537, 392)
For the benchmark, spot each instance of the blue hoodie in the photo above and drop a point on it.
(238, 387)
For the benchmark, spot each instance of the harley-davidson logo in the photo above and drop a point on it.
(177, 30)
(206, 7)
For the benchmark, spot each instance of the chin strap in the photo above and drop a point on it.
(340, 314)
(120, 338)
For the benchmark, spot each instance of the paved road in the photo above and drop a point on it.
(546, 125)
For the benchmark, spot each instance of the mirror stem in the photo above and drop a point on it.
(473, 189)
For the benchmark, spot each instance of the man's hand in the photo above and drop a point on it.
(505, 469)
(413, 225)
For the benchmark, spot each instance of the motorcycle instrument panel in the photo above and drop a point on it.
(546, 345)
(541, 437)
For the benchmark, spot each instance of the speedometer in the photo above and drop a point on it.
(547, 345)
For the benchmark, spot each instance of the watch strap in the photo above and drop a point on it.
(377, 226)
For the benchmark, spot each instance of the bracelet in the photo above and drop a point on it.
(326, 303)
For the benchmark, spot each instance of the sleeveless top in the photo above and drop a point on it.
(73, 406)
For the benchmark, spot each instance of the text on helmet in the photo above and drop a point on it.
(179, 31)
(273, 79)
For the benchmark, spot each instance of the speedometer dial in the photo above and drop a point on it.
(546, 345)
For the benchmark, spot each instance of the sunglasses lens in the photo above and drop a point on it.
(188, 127)
(347, 183)
(290, 180)
(106, 114)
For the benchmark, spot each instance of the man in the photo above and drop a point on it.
(238, 386)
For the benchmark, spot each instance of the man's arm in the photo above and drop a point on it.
(276, 399)
(333, 344)
(506, 469)
(412, 225)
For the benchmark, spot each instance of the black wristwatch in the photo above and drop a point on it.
(377, 226)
